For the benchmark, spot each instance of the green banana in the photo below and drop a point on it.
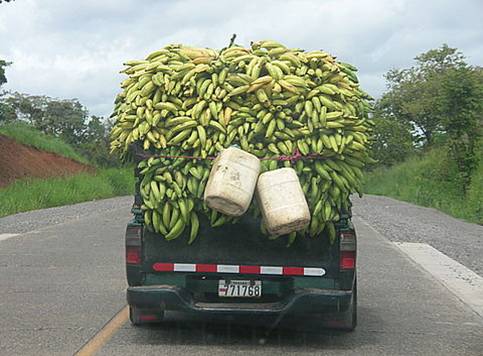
(268, 99)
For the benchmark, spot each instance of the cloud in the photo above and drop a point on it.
(71, 49)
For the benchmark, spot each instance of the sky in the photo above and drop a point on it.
(75, 49)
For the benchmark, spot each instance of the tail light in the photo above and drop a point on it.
(348, 250)
(133, 244)
(133, 255)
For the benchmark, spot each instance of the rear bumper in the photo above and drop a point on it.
(302, 301)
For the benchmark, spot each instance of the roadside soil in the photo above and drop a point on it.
(18, 161)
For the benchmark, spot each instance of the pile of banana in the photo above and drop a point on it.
(268, 99)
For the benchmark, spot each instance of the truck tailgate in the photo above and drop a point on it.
(240, 244)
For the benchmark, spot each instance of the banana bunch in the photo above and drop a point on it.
(268, 99)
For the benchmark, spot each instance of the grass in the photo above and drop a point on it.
(27, 135)
(430, 180)
(31, 194)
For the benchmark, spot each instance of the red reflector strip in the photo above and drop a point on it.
(163, 267)
(293, 271)
(347, 260)
(206, 268)
(250, 269)
(236, 269)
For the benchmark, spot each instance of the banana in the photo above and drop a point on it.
(271, 128)
(333, 143)
(176, 230)
(333, 115)
(179, 137)
(155, 191)
(184, 210)
(217, 125)
(268, 99)
(259, 83)
(183, 126)
(195, 226)
(147, 217)
(321, 171)
(167, 106)
(291, 238)
(288, 86)
(238, 91)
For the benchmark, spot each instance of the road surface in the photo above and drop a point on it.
(62, 280)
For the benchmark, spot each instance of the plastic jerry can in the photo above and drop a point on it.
(282, 201)
(232, 181)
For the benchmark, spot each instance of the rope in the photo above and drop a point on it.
(296, 156)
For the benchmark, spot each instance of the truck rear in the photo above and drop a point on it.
(236, 270)
(180, 110)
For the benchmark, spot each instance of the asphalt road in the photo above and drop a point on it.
(62, 279)
(398, 221)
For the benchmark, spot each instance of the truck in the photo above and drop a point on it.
(234, 270)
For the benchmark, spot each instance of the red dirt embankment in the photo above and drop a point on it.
(20, 161)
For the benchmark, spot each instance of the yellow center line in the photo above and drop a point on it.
(105, 333)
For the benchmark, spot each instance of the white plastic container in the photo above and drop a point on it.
(232, 181)
(282, 201)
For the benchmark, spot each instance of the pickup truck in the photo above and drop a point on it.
(235, 270)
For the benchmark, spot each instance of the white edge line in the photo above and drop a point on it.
(4, 237)
(461, 281)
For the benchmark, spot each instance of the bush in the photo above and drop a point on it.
(392, 141)
(430, 180)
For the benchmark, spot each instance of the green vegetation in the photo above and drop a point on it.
(31, 194)
(428, 135)
(441, 97)
(65, 119)
(3, 64)
(431, 180)
(27, 135)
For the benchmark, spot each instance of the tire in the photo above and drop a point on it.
(350, 316)
(343, 321)
(136, 316)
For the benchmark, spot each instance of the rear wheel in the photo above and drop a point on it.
(349, 321)
(141, 316)
(343, 321)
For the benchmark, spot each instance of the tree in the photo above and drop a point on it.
(440, 59)
(414, 92)
(461, 105)
(29, 108)
(392, 139)
(65, 119)
(441, 95)
(6, 112)
(3, 65)
(95, 145)
(95, 130)
(58, 117)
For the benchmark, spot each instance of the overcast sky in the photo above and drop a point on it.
(74, 49)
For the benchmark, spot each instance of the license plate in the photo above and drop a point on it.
(240, 289)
